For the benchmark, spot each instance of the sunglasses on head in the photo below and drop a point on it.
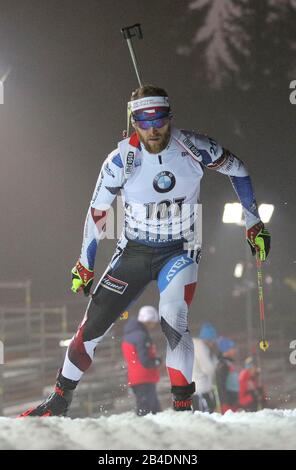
(146, 124)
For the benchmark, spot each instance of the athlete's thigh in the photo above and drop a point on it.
(177, 278)
(120, 284)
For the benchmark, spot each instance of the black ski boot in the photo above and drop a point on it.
(182, 397)
(58, 402)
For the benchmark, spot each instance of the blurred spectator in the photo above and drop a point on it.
(227, 375)
(204, 367)
(142, 363)
(251, 393)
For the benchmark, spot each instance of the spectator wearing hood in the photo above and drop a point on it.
(142, 362)
(227, 375)
(251, 393)
(204, 368)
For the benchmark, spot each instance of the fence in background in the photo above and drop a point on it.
(32, 339)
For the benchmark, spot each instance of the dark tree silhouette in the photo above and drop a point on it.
(244, 41)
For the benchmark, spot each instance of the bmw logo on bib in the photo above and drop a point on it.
(164, 182)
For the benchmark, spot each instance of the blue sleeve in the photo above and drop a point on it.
(244, 190)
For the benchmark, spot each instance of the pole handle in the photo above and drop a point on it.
(132, 31)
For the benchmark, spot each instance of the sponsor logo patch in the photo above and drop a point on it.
(180, 263)
(187, 142)
(116, 285)
(129, 162)
(164, 182)
(229, 163)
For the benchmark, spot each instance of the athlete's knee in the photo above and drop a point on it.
(175, 313)
(174, 320)
(77, 353)
(82, 347)
(98, 321)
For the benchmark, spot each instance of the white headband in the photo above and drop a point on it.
(147, 102)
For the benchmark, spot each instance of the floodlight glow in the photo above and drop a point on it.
(232, 213)
(64, 343)
(265, 212)
(238, 270)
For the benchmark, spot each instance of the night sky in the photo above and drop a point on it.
(65, 109)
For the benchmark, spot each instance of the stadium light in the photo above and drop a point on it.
(238, 270)
(265, 212)
(232, 213)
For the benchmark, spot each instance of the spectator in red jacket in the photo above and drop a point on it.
(251, 393)
(142, 363)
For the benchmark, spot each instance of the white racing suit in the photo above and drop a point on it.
(156, 190)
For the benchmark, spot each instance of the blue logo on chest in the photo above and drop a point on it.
(164, 182)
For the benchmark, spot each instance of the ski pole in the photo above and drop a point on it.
(128, 33)
(263, 343)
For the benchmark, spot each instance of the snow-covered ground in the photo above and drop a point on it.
(267, 429)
